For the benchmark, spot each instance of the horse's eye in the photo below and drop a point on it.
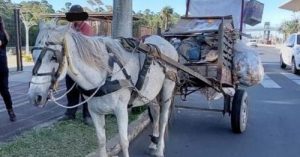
(53, 58)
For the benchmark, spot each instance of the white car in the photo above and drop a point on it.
(290, 53)
(252, 43)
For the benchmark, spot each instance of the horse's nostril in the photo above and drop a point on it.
(38, 99)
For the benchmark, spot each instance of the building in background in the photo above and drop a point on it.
(102, 24)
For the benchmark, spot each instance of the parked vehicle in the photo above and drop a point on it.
(252, 43)
(290, 53)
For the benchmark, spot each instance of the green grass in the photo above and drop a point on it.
(62, 139)
(27, 57)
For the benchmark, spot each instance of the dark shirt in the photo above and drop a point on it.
(3, 58)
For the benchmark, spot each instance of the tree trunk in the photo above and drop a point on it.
(27, 39)
(122, 18)
(166, 24)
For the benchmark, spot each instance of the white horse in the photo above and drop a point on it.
(59, 50)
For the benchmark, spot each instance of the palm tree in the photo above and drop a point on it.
(166, 15)
(289, 27)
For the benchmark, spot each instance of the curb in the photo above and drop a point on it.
(22, 131)
(134, 128)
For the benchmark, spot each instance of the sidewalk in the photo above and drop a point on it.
(28, 116)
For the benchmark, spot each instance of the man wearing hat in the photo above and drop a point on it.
(77, 16)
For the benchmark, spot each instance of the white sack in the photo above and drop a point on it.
(248, 68)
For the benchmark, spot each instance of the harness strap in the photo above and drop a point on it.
(107, 88)
(113, 59)
(143, 72)
(109, 85)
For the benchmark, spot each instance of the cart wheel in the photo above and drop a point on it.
(282, 64)
(239, 111)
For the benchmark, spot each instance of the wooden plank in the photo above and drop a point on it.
(206, 70)
(171, 62)
(185, 69)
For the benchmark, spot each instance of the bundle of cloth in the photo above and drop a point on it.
(248, 69)
(196, 49)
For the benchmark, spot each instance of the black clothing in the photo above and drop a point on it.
(4, 77)
(74, 97)
(3, 58)
(4, 90)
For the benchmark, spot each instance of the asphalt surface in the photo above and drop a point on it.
(28, 116)
(273, 127)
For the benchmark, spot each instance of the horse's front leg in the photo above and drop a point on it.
(99, 122)
(167, 95)
(122, 119)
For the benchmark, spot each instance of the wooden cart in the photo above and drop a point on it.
(218, 33)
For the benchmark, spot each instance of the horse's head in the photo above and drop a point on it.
(50, 62)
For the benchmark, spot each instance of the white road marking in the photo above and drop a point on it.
(269, 83)
(293, 77)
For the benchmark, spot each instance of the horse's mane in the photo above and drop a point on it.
(91, 50)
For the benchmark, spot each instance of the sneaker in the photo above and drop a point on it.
(12, 116)
(88, 121)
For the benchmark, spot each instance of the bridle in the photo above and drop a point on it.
(58, 55)
(55, 75)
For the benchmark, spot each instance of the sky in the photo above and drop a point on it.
(271, 11)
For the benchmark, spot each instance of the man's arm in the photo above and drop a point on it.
(3, 40)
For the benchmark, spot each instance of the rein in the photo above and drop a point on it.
(94, 92)
(53, 99)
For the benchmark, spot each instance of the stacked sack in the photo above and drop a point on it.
(248, 69)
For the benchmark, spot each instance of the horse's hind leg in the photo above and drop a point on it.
(154, 109)
(167, 94)
(99, 122)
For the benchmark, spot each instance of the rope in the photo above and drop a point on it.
(59, 98)
(52, 98)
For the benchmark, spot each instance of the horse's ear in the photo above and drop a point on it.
(55, 21)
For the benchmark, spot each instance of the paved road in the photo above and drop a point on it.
(28, 116)
(273, 127)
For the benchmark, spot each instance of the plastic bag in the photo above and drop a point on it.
(248, 69)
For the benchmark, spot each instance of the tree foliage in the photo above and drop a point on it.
(33, 9)
(6, 12)
(166, 15)
(289, 27)
(165, 19)
(31, 13)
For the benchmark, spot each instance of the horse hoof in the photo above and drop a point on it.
(152, 147)
(154, 153)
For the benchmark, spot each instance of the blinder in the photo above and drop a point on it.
(58, 58)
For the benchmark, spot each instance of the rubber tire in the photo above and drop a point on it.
(238, 111)
(282, 65)
(294, 69)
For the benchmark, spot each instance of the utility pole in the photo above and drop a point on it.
(18, 40)
(122, 19)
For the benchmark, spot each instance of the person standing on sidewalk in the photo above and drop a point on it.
(77, 16)
(4, 72)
